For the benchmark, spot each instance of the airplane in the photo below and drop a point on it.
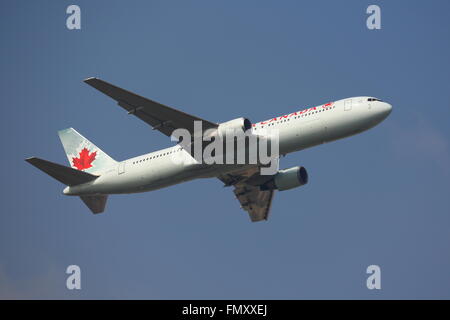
(93, 175)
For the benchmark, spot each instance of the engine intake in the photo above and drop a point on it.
(287, 179)
(232, 126)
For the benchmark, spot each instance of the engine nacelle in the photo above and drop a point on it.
(287, 179)
(236, 125)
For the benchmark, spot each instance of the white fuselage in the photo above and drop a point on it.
(298, 130)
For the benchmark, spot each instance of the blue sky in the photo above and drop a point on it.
(377, 198)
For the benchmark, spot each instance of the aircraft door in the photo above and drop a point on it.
(121, 168)
(348, 105)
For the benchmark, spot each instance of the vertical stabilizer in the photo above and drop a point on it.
(84, 155)
(95, 203)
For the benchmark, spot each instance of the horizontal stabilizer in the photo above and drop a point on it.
(95, 203)
(66, 175)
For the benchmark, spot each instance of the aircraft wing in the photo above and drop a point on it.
(253, 200)
(158, 116)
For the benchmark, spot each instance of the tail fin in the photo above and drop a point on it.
(95, 203)
(66, 175)
(83, 154)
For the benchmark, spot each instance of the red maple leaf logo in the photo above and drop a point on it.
(84, 159)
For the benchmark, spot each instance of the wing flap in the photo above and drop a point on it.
(255, 201)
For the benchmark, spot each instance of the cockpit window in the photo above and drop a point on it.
(374, 99)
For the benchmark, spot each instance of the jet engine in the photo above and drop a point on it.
(287, 179)
(236, 125)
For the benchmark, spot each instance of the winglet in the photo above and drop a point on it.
(89, 79)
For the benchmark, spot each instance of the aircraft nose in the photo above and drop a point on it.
(384, 109)
(387, 108)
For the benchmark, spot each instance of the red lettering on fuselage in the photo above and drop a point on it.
(327, 105)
